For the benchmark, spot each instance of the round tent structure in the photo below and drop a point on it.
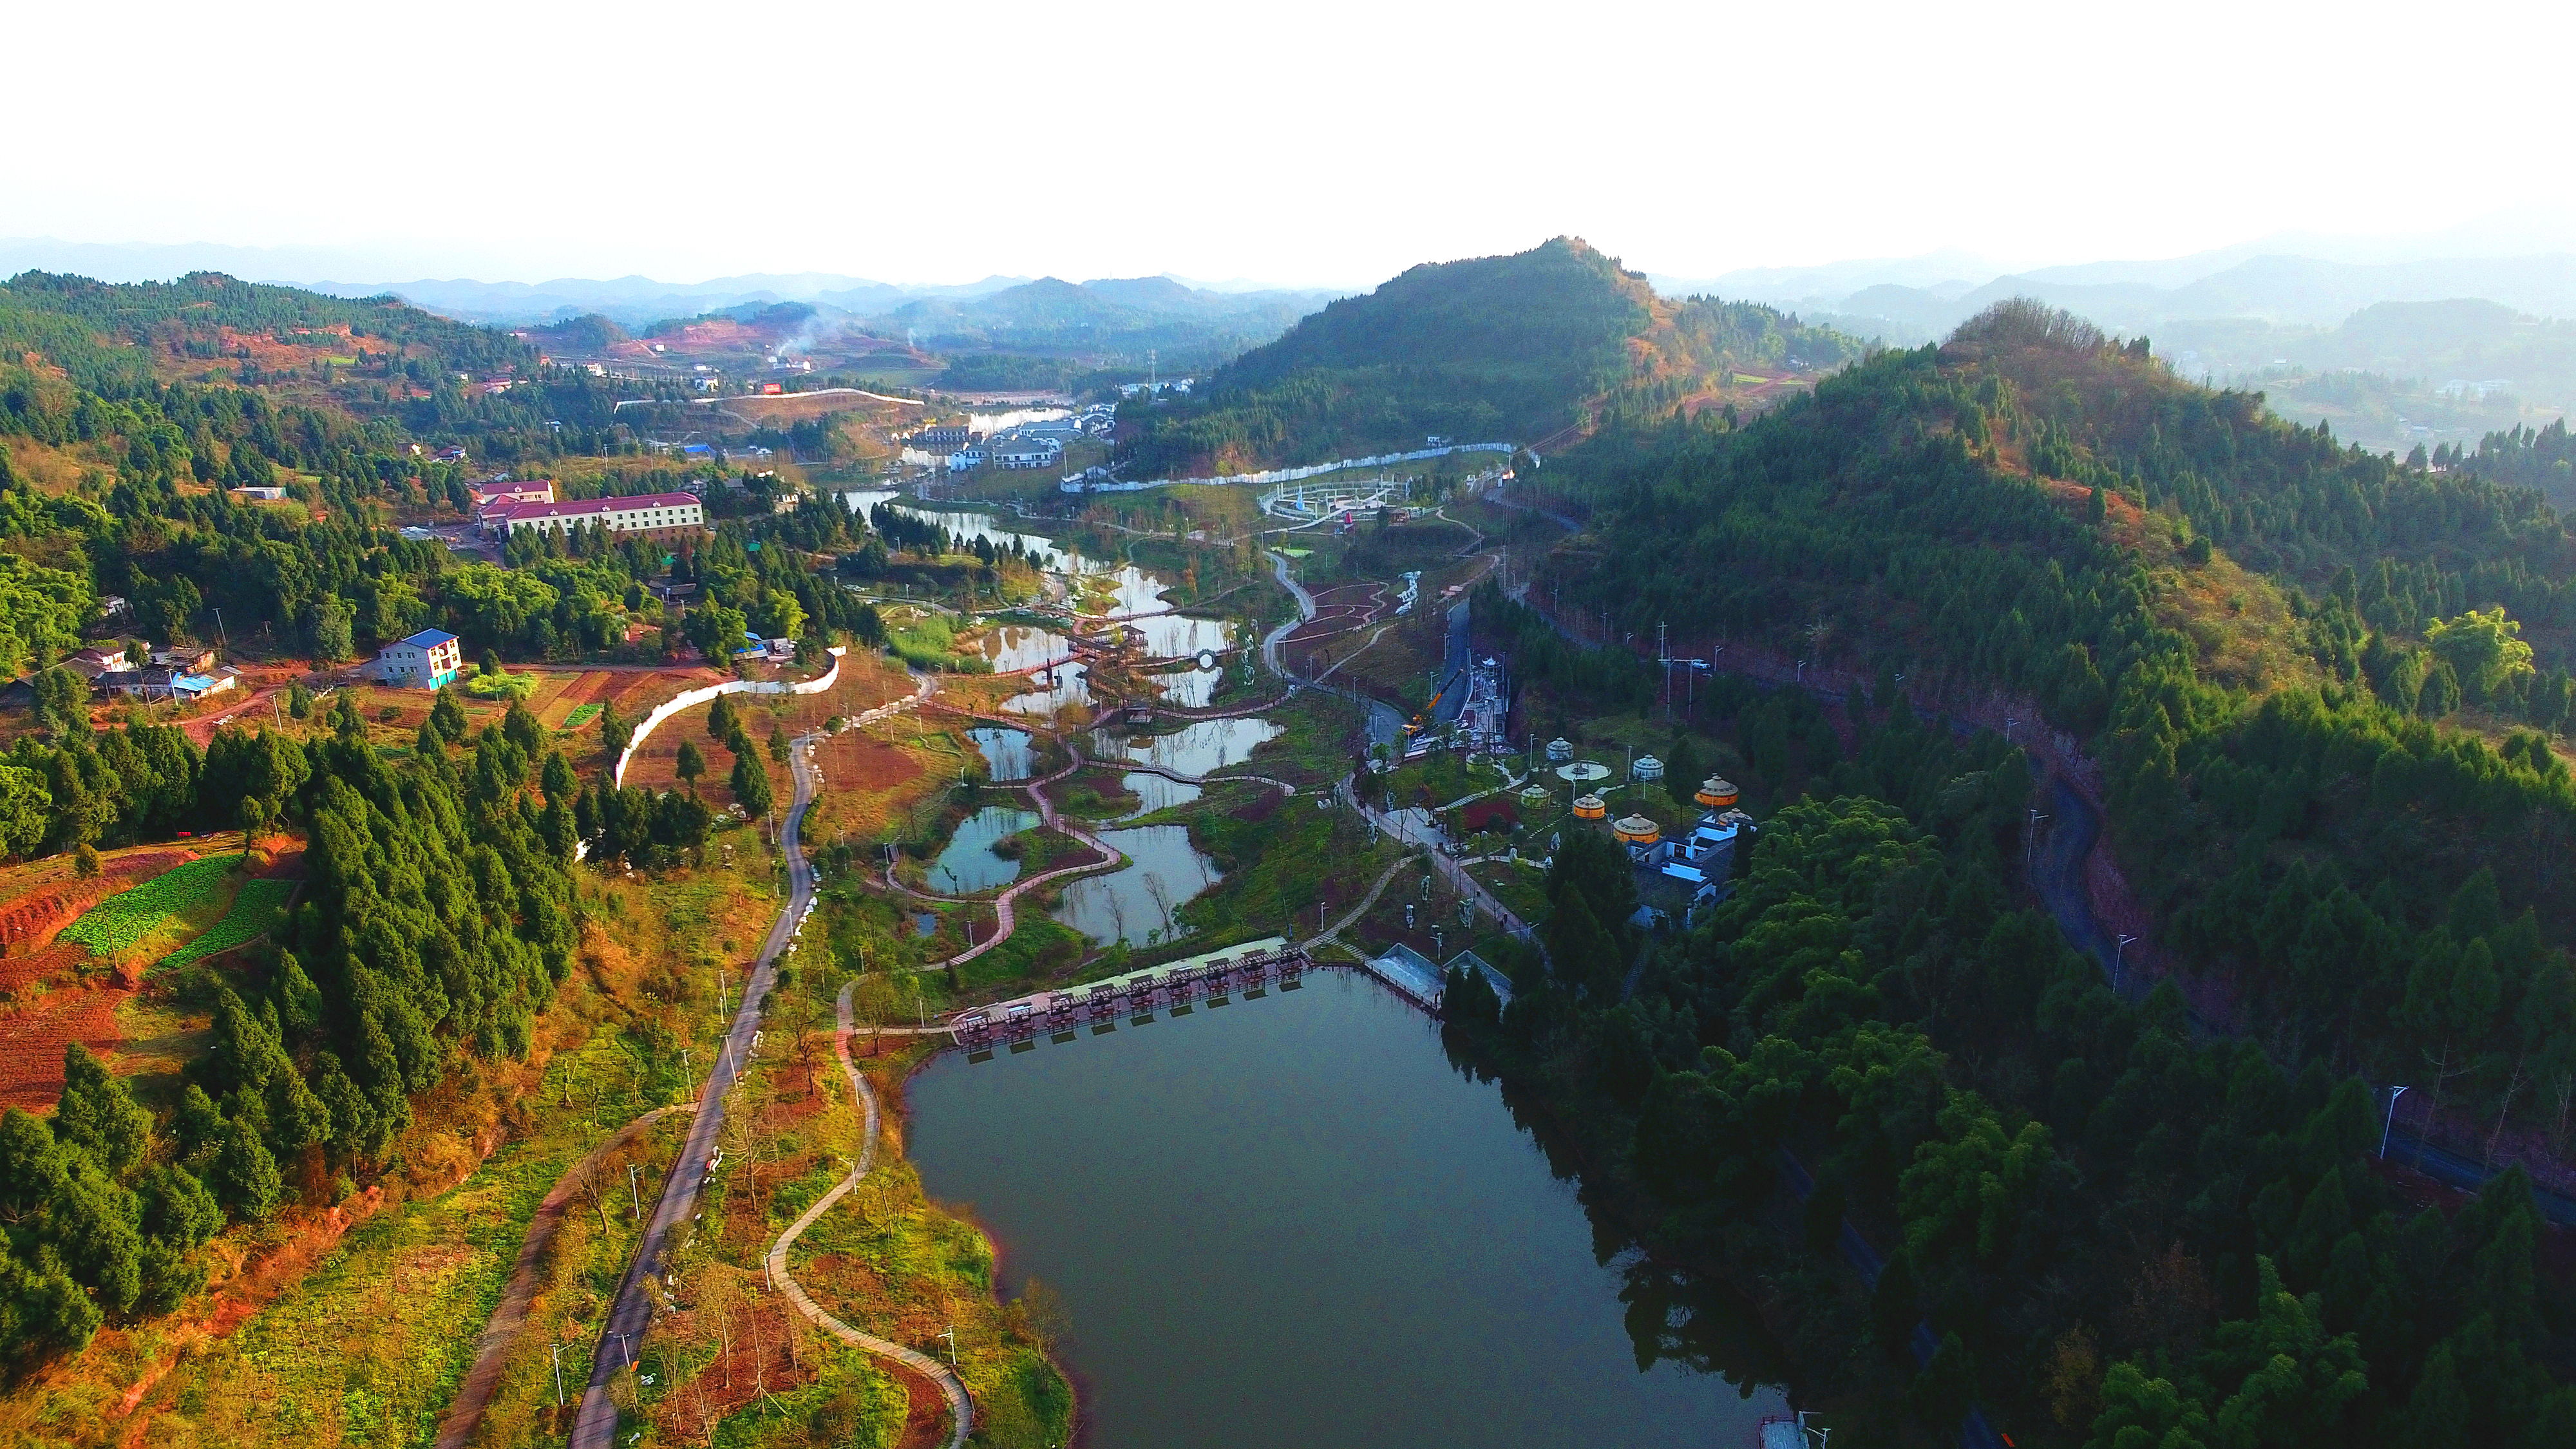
(1716, 794)
(1590, 807)
(1637, 830)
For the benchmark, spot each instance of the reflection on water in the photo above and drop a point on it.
(1131, 589)
(1006, 752)
(1200, 746)
(1071, 686)
(1135, 904)
(1325, 1236)
(1113, 589)
(1169, 636)
(1014, 647)
(968, 864)
(1189, 688)
(1153, 793)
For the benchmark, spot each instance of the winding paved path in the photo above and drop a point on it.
(1385, 726)
(1333, 936)
(1139, 767)
(492, 1350)
(631, 1314)
(961, 1409)
(1005, 919)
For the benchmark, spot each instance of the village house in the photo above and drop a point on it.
(430, 659)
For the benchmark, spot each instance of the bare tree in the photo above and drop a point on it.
(1162, 898)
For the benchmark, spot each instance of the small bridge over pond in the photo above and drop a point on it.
(1059, 1013)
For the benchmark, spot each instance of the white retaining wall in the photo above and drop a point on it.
(1292, 475)
(701, 695)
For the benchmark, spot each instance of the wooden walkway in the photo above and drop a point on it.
(1058, 1012)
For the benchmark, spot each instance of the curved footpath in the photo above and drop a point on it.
(961, 1409)
(1385, 726)
(1005, 919)
(1367, 903)
(492, 1350)
(595, 1427)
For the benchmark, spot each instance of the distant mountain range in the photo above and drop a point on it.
(1918, 298)
(998, 312)
(638, 302)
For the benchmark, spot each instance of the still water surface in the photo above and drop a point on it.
(1135, 902)
(1287, 1222)
(967, 864)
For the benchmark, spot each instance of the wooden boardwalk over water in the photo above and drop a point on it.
(1215, 979)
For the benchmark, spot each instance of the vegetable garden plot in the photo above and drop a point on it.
(120, 921)
(255, 910)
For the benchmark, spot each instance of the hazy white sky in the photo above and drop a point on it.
(1316, 142)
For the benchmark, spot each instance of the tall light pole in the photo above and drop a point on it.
(559, 1398)
(2390, 1122)
(633, 1197)
(2117, 954)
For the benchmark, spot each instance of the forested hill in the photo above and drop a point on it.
(2300, 662)
(1507, 348)
(128, 331)
(376, 363)
(2328, 756)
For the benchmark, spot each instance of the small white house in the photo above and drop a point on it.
(430, 659)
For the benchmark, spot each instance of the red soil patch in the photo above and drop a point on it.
(32, 1039)
(925, 1415)
(24, 969)
(32, 919)
(285, 860)
(853, 761)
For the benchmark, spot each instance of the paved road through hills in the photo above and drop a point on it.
(622, 1338)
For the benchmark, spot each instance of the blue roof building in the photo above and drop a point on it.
(430, 659)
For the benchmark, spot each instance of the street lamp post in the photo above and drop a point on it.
(2391, 1121)
(559, 1397)
(2119, 953)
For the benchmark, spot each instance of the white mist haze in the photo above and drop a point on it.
(1329, 144)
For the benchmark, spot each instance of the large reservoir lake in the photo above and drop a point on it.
(1289, 1222)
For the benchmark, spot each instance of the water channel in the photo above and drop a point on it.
(1288, 1222)
(1129, 591)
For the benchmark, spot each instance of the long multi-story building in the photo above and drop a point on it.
(657, 514)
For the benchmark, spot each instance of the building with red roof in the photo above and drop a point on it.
(656, 514)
